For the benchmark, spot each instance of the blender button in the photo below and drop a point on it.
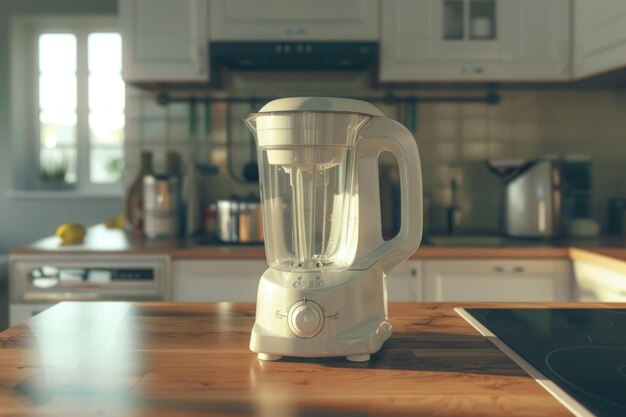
(306, 321)
(311, 283)
(297, 284)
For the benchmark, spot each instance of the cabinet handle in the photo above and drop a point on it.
(296, 30)
(471, 69)
(509, 269)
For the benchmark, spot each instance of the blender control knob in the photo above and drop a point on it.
(306, 319)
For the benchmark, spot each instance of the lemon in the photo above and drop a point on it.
(116, 222)
(71, 233)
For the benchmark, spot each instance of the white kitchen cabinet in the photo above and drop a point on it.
(216, 280)
(475, 40)
(595, 283)
(599, 36)
(286, 20)
(164, 40)
(497, 280)
(404, 283)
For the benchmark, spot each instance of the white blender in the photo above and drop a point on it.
(325, 291)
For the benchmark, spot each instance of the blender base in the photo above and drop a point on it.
(358, 358)
(268, 357)
(344, 315)
(352, 358)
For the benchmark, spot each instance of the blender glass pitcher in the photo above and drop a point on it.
(307, 187)
(319, 184)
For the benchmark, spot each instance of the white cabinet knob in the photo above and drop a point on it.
(472, 69)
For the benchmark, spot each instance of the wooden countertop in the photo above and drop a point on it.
(162, 359)
(602, 251)
(99, 239)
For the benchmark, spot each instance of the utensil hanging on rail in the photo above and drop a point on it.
(230, 151)
(251, 169)
(491, 98)
(206, 167)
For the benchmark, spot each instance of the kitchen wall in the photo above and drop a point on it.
(454, 139)
(526, 124)
(25, 217)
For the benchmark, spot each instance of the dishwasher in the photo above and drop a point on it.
(37, 282)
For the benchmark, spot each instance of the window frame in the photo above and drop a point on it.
(25, 32)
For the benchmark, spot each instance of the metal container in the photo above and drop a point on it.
(239, 221)
(161, 205)
(250, 222)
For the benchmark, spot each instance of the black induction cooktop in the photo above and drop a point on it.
(583, 351)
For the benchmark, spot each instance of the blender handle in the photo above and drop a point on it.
(388, 135)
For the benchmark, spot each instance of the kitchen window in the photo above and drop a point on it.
(73, 100)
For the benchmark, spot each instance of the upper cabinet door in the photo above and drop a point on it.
(285, 20)
(474, 40)
(599, 36)
(164, 40)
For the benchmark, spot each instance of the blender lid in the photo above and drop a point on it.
(326, 104)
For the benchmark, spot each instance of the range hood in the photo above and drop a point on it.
(294, 56)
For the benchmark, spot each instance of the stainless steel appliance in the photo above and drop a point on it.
(543, 196)
(239, 221)
(161, 194)
(37, 282)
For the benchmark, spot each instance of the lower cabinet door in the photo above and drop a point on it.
(497, 280)
(213, 281)
(404, 282)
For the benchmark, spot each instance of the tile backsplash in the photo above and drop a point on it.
(454, 141)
